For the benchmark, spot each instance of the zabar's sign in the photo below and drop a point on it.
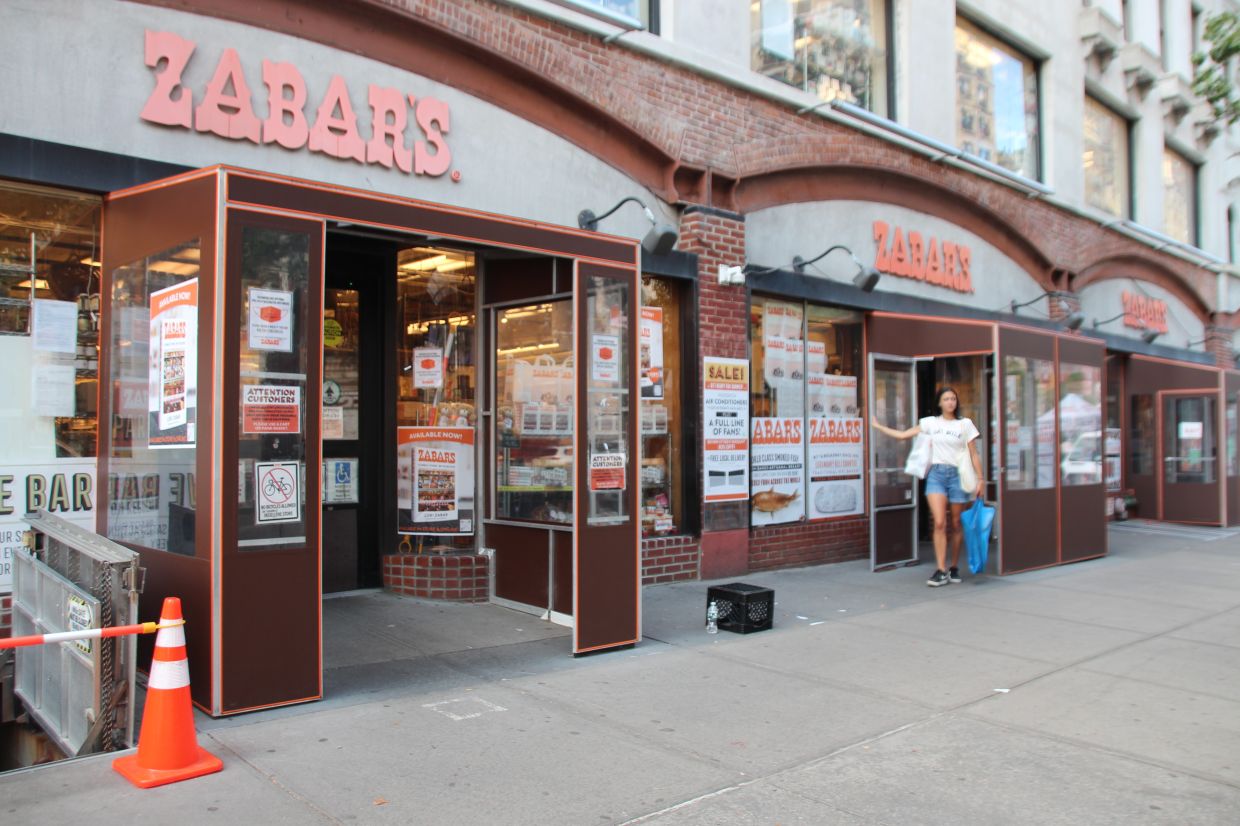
(922, 258)
(1144, 313)
(225, 107)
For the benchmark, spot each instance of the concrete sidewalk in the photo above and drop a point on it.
(1102, 692)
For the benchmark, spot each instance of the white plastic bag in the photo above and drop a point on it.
(918, 461)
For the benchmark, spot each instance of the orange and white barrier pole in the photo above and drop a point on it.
(88, 634)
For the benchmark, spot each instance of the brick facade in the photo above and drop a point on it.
(669, 559)
(448, 577)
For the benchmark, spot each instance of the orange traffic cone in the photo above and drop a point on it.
(168, 748)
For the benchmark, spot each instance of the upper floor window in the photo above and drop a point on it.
(996, 101)
(836, 49)
(1179, 197)
(635, 13)
(1106, 159)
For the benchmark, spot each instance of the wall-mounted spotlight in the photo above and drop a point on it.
(866, 278)
(1072, 320)
(658, 241)
(1147, 334)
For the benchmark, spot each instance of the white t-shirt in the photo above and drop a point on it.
(947, 438)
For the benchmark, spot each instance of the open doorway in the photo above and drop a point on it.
(971, 377)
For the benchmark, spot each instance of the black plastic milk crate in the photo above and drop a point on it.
(742, 608)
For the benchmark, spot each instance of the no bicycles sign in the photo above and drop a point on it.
(278, 492)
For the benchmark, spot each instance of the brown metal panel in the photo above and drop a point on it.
(1084, 527)
(608, 557)
(1150, 376)
(1077, 350)
(517, 280)
(136, 223)
(270, 598)
(1027, 344)
(893, 537)
(1028, 530)
(1232, 390)
(562, 572)
(917, 336)
(358, 206)
(1191, 502)
(520, 563)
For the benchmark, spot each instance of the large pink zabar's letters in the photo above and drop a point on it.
(226, 109)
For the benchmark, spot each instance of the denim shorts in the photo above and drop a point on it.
(945, 480)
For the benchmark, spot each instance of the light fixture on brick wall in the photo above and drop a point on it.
(658, 241)
(1147, 335)
(866, 278)
(1072, 320)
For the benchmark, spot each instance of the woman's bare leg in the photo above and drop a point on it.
(938, 513)
(957, 533)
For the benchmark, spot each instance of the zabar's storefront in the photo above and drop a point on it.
(312, 381)
(941, 314)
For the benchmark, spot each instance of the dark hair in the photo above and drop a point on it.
(938, 397)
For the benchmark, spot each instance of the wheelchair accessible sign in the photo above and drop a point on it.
(278, 489)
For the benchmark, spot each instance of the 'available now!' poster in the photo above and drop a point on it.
(435, 480)
(173, 369)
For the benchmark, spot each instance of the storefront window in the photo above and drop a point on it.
(807, 439)
(49, 253)
(1029, 422)
(1179, 197)
(836, 49)
(1141, 437)
(1080, 424)
(1112, 442)
(436, 409)
(271, 445)
(1233, 439)
(608, 398)
(154, 374)
(1106, 159)
(996, 101)
(534, 390)
(662, 468)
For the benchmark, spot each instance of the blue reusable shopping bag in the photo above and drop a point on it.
(977, 521)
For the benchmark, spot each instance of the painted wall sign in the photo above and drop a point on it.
(725, 437)
(1143, 312)
(922, 258)
(225, 107)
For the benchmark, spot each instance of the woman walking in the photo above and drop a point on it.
(949, 435)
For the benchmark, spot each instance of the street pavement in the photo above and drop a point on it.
(1102, 692)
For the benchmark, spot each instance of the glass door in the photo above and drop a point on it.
(1189, 488)
(893, 493)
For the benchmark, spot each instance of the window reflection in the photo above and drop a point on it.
(1080, 424)
(1105, 159)
(1029, 422)
(996, 101)
(1179, 197)
(836, 49)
